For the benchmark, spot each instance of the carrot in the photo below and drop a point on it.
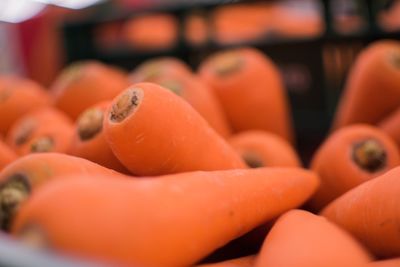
(196, 29)
(84, 84)
(19, 96)
(371, 213)
(156, 67)
(196, 93)
(44, 130)
(300, 238)
(250, 89)
(240, 262)
(89, 142)
(163, 34)
(390, 125)
(7, 155)
(349, 157)
(26, 174)
(372, 88)
(263, 149)
(165, 133)
(162, 225)
(385, 263)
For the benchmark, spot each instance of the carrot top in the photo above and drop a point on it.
(126, 104)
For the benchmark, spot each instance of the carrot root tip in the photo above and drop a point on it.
(90, 124)
(369, 155)
(12, 193)
(173, 86)
(252, 160)
(42, 144)
(125, 105)
(227, 63)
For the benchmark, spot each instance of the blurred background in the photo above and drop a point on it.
(314, 42)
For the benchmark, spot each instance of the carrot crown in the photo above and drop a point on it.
(42, 144)
(253, 160)
(125, 104)
(369, 155)
(90, 123)
(226, 63)
(24, 132)
(12, 192)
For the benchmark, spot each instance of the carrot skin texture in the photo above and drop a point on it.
(300, 238)
(19, 96)
(335, 164)
(162, 225)
(372, 90)
(7, 155)
(371, 213)
(252, 94)
(167, 145)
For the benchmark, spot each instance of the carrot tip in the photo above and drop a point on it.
(90, 123)
(12, 193)
(369, 155)
(43, 144)
(252, 160)
(24, 132)
(227, 63)
(125, 104)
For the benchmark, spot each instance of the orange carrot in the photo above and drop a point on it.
(385, 263)
(372, 89)
(240, 262)
(390, 125)
(19, 96)
(165, 134)
(300, 238)
(151, 32)
(89, 142)
(250, 89)
(84, 84)
(196, 93)
(162, 66)
(162, 225)
(44, 130)
(371, 213)
(25, 175)
(7, 155)
(263, 149)
(349, 157)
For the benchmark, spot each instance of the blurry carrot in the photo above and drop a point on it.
(371, 213)
(302, 239)
(89, 142)
(19, 96)
(385, 263)
(28, 173)
(196, 28)
(152, 132)
(263, 149)
(250, 89)
(84, 84)
(349, 157)
(199, 96)
(372, 89)
(156, 67)
(151, 32)
(391, 126)
(44, 130)
(7, 155)
(174, 220)
(240, 262)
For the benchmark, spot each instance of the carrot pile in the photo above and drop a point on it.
(164, 166)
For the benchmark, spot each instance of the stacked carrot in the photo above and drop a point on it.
(166, 167)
